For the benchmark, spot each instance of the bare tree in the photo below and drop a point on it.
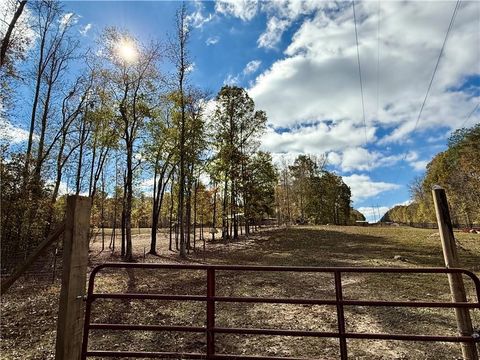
(131, 70)
(47, 16)
(6, 41)
(180, 58)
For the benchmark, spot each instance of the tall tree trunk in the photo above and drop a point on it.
(92, 182)
(288, 199)
(214, 220)
(8, 33)
(38, 81)
(58, 178)
(128, 203)
(159, 192)
(102, 211)
(182, 177)
(41, 141)
(195, 213)
(234, 213)
(188, 207)
(171, 213)
(224, 211)
(123, 245)
(82, 138)
(153, 242)
(114, 228)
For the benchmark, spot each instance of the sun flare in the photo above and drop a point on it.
(127, 51)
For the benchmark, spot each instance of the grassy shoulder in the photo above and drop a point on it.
(29, 310)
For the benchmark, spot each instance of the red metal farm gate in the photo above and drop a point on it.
(211, 299)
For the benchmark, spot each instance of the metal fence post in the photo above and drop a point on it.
(210, 312)
(75, 258)
(464, 321)
(340, 315)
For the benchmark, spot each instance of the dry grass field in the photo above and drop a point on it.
(29, 309)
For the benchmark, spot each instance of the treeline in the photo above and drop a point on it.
(128, 117)
(118, 121)
(308, 193)
(280, 194)
(457, 170)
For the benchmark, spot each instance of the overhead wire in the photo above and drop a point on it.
(469, 115)
(378, 79)
(475, 108)
(450, 25)
(378, 57)
(452, 20)
(360, 73)
(362, 97)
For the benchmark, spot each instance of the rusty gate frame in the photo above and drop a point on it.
(210, 299)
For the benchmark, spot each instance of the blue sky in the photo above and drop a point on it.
(298, 60)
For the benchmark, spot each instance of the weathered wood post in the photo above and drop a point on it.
(75, 257)
(450, 254)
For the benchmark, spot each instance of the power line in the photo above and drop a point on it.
(378, 56)
(360, 73)
(378, 79)
(363, 100)
(470, 115)
(452, 20)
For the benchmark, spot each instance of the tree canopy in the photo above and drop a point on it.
(457, 170)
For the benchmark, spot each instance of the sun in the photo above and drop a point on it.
(126, 50)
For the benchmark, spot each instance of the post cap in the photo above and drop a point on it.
(437, 187)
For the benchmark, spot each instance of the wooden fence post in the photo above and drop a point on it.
(75, 258)
(450, 254)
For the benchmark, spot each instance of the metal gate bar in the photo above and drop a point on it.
(210, 299)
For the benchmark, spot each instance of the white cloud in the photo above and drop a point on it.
(205, 178)
(147, 183)
(346, 159)
(212, 40)
(242, 9)
(282, 14)
(334, 159)
(419, 165)
(373, 213)
(62, 188)
(209, 107)
(412, 159)
(85, 29)
(190, 68)
(252, 67)
(318, 77)
(249, 69)
(69, 19)
(231, 80)
(405, 203)
(361, 159)
(315, 138)
(363, 187)
(197, 19)
(273, 33)
(12, 134)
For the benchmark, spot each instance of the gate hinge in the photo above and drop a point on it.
(476, 335)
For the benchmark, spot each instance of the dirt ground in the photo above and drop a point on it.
(29, 309)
